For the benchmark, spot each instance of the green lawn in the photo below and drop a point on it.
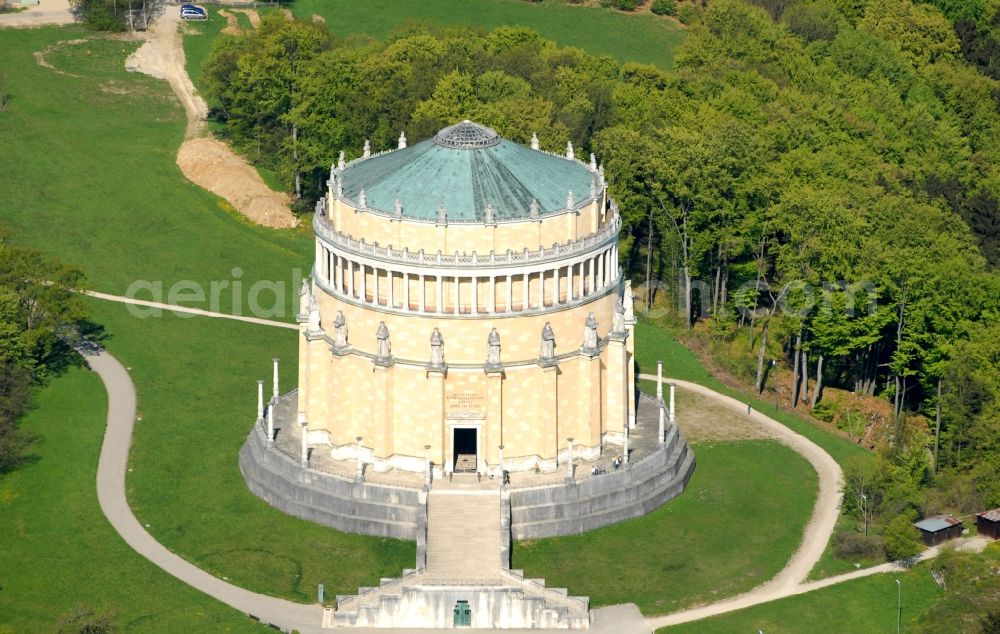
(735, 526)
(196, 380)
(629, 38)
(89, 177)
(58, 551)
(861, 605)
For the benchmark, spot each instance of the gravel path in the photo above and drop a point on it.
(791, 579)
(44, 13)
(111, 471)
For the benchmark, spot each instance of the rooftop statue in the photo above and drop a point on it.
(590, 332)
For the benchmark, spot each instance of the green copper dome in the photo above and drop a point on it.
(465, 168)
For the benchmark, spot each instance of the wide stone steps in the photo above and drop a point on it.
(463, 534)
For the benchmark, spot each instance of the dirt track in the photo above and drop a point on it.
(204, 160)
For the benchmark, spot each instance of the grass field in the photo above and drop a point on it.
(196, 380)
(58, 551)
(852, 607)
(650, 39)
(90, 178)
(734, 527)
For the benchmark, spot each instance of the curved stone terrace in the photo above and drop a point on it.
(642, 442)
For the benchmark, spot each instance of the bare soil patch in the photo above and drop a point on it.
(213, 165)
(41, 60)
(232, 24)
(205, 161)
(703, 419)
(252, 14)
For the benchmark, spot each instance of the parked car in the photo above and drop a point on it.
(193, 14)
(191, 6)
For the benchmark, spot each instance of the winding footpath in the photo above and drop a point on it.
(791, 579)
(113, 464)
(111, 471)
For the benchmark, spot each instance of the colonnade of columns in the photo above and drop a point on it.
(444, 291)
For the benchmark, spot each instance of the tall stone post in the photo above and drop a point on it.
(260, 399)
(673, 410)
(618, 385)
(427, 465)
(493, 424)
(275, 391)
(660, 406)
(359, 476)
(435, 391)
(270, 420)
(625, 446)
(502, 483)
(569, 461)
(305, 440)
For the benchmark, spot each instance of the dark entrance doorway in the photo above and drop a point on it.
(464, 450)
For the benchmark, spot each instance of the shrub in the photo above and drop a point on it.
(664, 7)
(902, 540)
(687, 14)
(852, 545)
(625, 5)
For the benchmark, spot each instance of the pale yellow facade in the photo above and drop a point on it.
(512, 276)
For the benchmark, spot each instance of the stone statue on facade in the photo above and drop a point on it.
(442, 215)
(437, 349)
(397, 208)
(619, 317)
(534, 141)
(548, 351)
(341, 162)
(402, 141)
(569, 150)
(313, 314)
(367, 151)
(534, 209)
(490, 214)
(321, 206)
(363, 200)
(305, 295)
(590, 332)
(493, 349)
(340, 330)
(383, 349)
(629, 300)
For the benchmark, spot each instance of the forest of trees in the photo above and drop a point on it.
(40, 320)
(819, 179)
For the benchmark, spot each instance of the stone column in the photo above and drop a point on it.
(590, 265)
(673, 412)
(427, 465)
(541, 288)
(625, 446)
(406, 291)
(383, 406)
(275, 391)
(375, 298)
(660, 405)
(510, 292)
(270, 421)
(350, 278)
(524, 290)
(422, 294)
(305, 440)
(390, 295)
(362, 284)
(599, 259)
(500, 448)
(569, 460)
(439, 302)
(260, 399)
(491, 301)
(359, 475)
(474, 304)
(458, 296)
(569, 283)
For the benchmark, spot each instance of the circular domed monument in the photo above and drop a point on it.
(467, 325)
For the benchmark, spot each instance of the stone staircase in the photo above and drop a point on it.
(463, 534)
(465, 562)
